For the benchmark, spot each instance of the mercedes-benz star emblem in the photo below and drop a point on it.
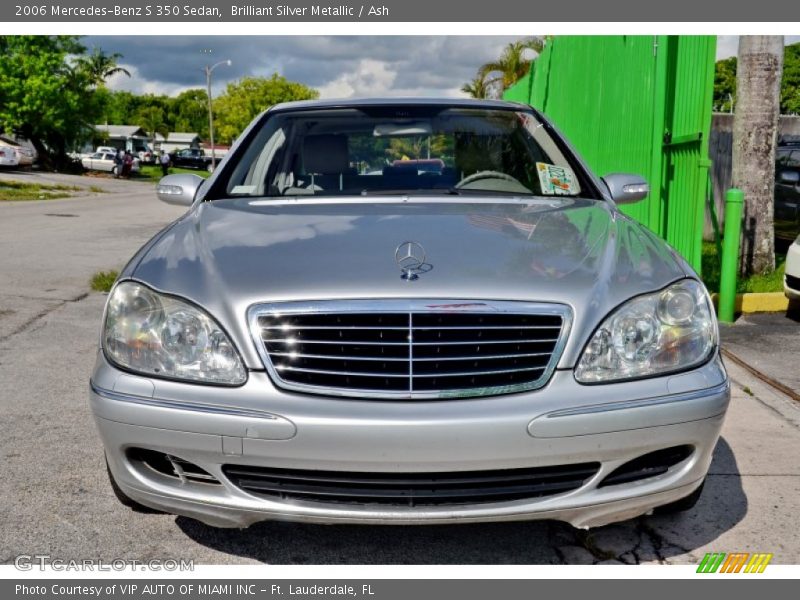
(410, 257)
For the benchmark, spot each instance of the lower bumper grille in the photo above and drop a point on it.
(793, 282)
(410, 489)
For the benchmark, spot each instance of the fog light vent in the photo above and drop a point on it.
(171, 466)
(648, 465)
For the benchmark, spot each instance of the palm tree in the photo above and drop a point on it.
(511, 66)
(99, 66)
(755, 125)
(476, 88)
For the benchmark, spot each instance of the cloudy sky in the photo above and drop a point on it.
(338, 66)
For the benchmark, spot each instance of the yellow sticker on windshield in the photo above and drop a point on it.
(555, 180)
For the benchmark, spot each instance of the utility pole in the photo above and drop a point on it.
(208, 70)
(755, 126)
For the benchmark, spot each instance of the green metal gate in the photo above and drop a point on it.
(639, 104)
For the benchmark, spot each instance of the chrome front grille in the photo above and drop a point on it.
(410, 348)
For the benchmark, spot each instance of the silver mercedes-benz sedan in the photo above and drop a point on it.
(407, 311)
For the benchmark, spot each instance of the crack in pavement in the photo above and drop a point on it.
(41, 314)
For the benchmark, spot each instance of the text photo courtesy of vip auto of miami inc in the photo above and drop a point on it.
(399, 300)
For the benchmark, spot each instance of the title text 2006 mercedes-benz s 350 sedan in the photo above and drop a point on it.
(407, 311)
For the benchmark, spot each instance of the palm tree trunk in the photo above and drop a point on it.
(755, 127)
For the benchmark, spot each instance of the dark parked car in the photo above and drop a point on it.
(192, 158)
(787, 191)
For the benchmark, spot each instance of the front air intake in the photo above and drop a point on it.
(648, 465)
(410, 489)
(171, 466)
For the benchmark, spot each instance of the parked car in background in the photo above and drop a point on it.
(143, 152)
(494, 340)
(192, 158)
(791, 282)
(8, 157)
(787, 191)
(104, 161)
(24, 155)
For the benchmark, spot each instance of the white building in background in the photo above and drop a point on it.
(178, 140)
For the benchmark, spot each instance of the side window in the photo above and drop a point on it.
(794, 159)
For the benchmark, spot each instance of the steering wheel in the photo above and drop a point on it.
(480, 175)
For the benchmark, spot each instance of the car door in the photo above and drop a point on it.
(93, 161)
(787, 195)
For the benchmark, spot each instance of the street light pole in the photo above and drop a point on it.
(208, 69)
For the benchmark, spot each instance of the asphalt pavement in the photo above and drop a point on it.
(56, 500)
(769, 343)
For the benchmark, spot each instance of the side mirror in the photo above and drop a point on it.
(625, 188)
(179, 189)
(789, 177)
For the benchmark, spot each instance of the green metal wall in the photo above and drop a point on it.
(639, 104)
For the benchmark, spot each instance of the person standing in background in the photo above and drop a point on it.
(119, 160)
(164, 163)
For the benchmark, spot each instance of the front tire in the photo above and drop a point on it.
(126, 500)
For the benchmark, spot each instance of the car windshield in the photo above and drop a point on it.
(406, 150)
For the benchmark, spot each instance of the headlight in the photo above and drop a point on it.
(159, 335)
(658, 333)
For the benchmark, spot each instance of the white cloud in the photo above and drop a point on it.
(370, 77)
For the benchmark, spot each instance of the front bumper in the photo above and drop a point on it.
(259, 425)
(792, 270)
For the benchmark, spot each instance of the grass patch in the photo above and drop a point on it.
(103, 281)
(153, 172)
(21, 191)
(769, 282)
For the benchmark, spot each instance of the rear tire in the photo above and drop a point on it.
(682, 505)
(126, 500)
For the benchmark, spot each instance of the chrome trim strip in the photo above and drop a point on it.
(397, 359)
(404, 375)
(393, 305)
(179, 405)
(369, 328)
(354, 343)
(627, 404)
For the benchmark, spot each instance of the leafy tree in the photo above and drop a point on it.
(790, 85)
(725, 85)
(246, 98)
(46, 94)
(189, 112)
(151, 119)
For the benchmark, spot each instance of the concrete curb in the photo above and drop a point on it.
(758, 302)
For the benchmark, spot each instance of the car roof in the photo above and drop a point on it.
(400, 101)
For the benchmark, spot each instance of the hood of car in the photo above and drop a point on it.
(229, 254)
